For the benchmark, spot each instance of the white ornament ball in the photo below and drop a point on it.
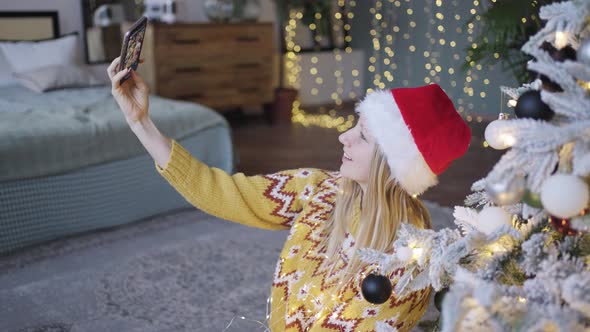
(498, 136)
(491, 218)
(564, 195)
(404, 254)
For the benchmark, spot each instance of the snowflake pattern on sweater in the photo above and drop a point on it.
(303, 296)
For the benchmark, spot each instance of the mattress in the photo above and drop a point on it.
(64, 130)
(37, 210)
(69, 162)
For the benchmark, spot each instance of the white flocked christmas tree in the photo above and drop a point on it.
(519, 259)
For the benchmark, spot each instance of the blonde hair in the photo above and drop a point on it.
(385, 205)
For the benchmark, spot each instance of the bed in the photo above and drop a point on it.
(70, 164)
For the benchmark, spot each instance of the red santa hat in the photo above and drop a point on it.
(418, 130)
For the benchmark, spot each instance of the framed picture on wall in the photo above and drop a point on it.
(27, 25)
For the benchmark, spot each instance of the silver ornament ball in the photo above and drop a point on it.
(506, 192)
(583, 54)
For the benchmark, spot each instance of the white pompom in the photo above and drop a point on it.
(564, 195)
(404, 254)
(491, 218)
(498, 136)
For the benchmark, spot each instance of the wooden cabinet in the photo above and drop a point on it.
(218, 65)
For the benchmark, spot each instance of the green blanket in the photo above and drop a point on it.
(63, 130)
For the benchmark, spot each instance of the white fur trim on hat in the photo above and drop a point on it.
(387, 126)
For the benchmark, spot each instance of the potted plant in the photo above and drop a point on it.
(310, 9)
(284, 95)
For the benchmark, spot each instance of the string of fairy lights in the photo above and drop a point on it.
(293, 68)
(413, 43)
(442, 53)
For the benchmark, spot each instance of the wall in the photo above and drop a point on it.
(313, 93)
(70, 15)
(409, 68)
(410, 65)
(192, 11)
(70, 12)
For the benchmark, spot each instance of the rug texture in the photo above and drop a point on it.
(183, 271)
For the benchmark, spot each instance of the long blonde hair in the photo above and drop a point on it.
(384, 206)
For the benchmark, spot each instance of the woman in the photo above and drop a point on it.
(404, 138)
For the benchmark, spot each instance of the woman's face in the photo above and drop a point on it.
(358, 151)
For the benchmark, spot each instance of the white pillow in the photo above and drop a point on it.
(56, 77)
(27, 55)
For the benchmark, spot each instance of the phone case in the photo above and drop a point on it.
(132, 44)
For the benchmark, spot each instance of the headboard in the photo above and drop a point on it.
(29, 25)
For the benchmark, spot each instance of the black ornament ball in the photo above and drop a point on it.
(530, 105)
(439, 297)
(376, 289)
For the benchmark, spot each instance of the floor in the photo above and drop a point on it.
(265, 148)
(181, 271)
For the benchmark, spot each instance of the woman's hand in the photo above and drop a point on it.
(132, 95)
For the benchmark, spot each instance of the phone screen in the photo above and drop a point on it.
(133, 50)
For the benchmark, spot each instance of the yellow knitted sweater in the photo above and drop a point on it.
(303, 298)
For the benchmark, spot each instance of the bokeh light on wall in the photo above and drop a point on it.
(292, 61)
(417, 42)
(342, 21)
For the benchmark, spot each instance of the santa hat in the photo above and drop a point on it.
(418, 130)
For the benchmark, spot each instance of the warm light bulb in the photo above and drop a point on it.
(560, 39)
(495, 247)
(417, 253)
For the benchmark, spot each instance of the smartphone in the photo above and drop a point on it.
(131, 49)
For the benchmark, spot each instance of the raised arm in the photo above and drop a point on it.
(132, 98)
(269, 201)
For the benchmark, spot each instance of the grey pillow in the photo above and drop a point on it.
(56, 77)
